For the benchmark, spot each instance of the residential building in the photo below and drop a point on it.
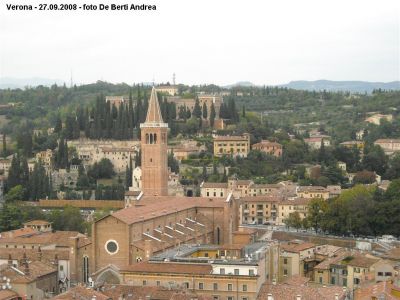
(293, 257)
(313, 192)
(259, 209)
(316, 142)
(287, 207)
(353, 144)
(5, 165)
(116, 101)
(271, 148)
(214, 189)
(46, 157)
(390, 146)
(232, 145)
(376, 118)
(30, 280)
(171, 90)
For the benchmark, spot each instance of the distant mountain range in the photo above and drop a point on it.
(351, 86)
(317, 85)
(15, 83)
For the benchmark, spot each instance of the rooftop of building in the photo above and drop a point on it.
(387, 141)
(23, 274)
(314, 188)
(249, 254)
(82, 293)
(359, 260)
(263, 198)
(231, 138)
(151, 207)
(37, 222)
(215, 185)
(58, 238)
(168, 268)
(296, 246)
(379, 290)
(267, 143)
(299, 288)
(128, 292)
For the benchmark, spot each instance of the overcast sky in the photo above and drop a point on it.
(208, 41)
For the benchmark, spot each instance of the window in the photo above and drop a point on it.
(320, 280)
(380, 273)
(344, 281)
(186, 285)
(111, 247)
(229, 286)
(215, 286)
(158, 283)
(215, 297)
(333, 280)
(144, 282)
(230, 298)
(222, 271)
(62, 267)
(236, 271)
(251, 272)
(208, 194)
(388, 273)
(356, 281)
(244, 287)
(285, 261)
(284, 271)
(201, 286)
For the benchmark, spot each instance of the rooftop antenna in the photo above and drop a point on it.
(173, 78)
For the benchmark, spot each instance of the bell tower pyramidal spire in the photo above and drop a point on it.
(154, 150)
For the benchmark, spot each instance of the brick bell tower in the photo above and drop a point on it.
(154, 150)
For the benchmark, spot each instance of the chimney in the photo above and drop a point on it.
(298, 297)
(336, 296)
(269, 297)
(40, 254)
(10, 261)
(26, 269)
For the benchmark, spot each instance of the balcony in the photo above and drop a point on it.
(246, 211)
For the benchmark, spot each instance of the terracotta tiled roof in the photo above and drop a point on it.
(59, 238)
(384, 141)
(151, 207)
(376, 291)
(265, 186)
(312, 189)
(230, 138)
(261, 199)
(325, 264)
(33, 254)
(8, 295)
(221, 185)
(287, 291)
(19, 275)
(297, 247)
(37, 222)
(82, 293)
(18, 232)
(153, 292)
(361, 261)
(296, 201)
(168, 268)
(243, 182)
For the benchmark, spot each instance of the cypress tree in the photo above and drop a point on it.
(14, 173)
(4, 146)
(58, 124)
(205, 111)
(212, 115)
(197, 109)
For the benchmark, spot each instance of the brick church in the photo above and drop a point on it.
(153, 221)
